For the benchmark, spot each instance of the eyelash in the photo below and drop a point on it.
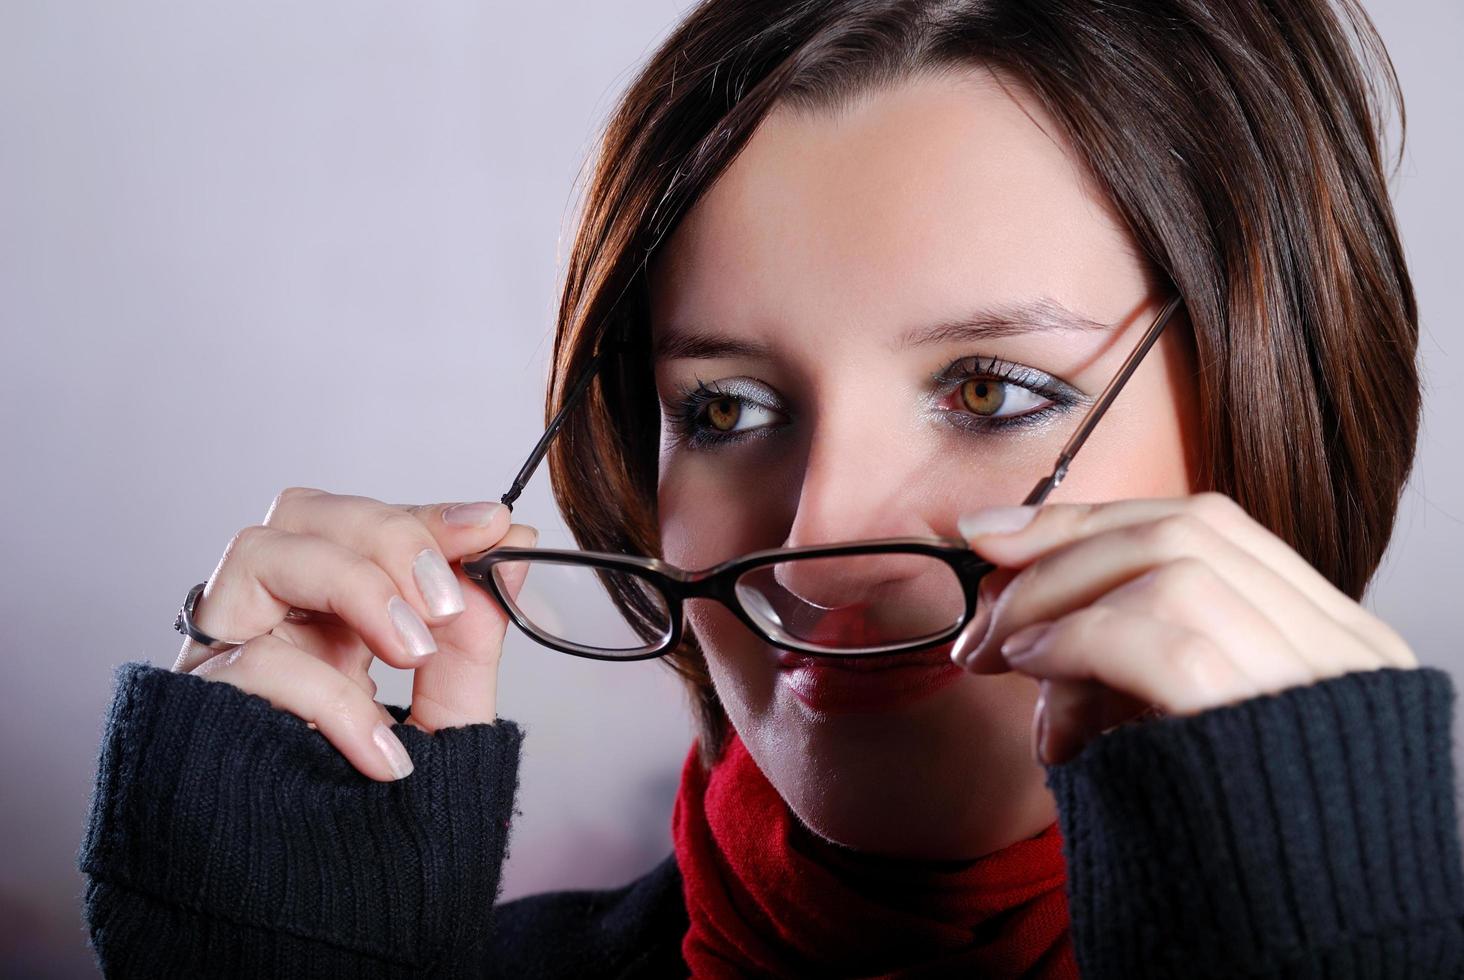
(688, 430)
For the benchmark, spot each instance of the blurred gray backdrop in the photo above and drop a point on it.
(249, 245)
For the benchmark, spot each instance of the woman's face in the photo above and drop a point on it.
(827, 245)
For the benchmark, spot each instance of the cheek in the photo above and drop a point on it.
(740, 672)
(701, 526)
(690, 536)
(712, 508)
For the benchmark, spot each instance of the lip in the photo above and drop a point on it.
(788, 659)
(866, 684)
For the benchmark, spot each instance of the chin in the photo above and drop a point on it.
(954, 780)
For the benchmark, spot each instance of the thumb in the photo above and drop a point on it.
(458, 685)
(987, 595)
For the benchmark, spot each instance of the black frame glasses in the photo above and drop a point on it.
(664, 587)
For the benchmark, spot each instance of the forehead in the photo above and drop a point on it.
(932, 194)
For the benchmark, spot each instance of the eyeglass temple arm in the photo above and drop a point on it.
(1059, 470)
(541, 447)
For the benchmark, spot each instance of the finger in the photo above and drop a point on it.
(326, 637)
(386, 717)
(391, 535)
(988, 593)
(294, 681)
(1070, 714)
(1052, 526)
(1178, 669)
(1078, 573)
(464, 528)
(414, 545)
(1057, 523)
(459, 686)
(1188, 593)
(266, 571)
(335, 644)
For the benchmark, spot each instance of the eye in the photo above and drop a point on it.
(725, 414)
(988, 395)
(994, 398)
(722, 413)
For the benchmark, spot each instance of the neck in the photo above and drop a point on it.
(835, 855)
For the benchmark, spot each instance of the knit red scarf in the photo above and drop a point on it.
(767, 898)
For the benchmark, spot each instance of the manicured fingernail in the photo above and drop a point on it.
(995, 520)
(439, 586)
(965, 646)
(410, 628)
(392, 750)
(1023, 640)
(1039, 735)
(478, 514)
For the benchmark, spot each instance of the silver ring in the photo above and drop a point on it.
(184, 623)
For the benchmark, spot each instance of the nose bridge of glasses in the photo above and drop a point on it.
(823, 580)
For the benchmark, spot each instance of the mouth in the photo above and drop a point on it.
(833, 685)
(933, 657)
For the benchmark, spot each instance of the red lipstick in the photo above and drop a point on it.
(838, 685)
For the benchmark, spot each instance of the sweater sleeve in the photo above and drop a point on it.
(228, 838)
(1310, 833)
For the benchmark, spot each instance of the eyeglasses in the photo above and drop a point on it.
(861, 598)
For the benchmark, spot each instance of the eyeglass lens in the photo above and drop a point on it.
(571, 604)
(854, 603)
(838, 604)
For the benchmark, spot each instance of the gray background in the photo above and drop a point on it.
(253, 245)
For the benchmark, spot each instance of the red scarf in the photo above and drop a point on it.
(768, 898)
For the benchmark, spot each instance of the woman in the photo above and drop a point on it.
(874, 261)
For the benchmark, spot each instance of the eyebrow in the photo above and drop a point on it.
(1007, 320)
(985, 323)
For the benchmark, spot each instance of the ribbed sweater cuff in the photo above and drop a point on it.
(1310, 829)
(211, 800)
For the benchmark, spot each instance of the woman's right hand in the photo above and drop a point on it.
(373, 580)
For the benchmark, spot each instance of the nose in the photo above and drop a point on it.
(861, 480)
(852, 580)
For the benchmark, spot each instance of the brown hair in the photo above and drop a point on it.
(1240, 141)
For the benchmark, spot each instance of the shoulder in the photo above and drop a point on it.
(631, 931)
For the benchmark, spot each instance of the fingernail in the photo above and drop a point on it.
(439, 586)
(392, 749)
(965, 646)
(478, 514)
(1039, 734)
(1023, 640)
(995, 520)
(410, 628)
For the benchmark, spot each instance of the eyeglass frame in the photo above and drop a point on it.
(718, 582)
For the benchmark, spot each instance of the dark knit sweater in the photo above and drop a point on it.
(1306, 834)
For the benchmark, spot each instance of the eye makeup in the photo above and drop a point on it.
(734, 396)
(1058, 395)
(704, 416)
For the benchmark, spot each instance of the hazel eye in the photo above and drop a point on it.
(998, 399)
(732, 414)
(724, 413)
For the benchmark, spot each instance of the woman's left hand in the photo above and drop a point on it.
(1176, 605)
